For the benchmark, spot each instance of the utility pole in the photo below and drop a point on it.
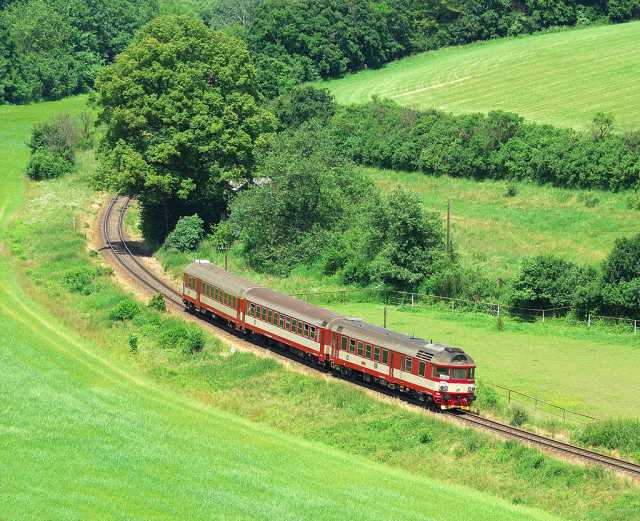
(448, 226)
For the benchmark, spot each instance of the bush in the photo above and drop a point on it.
(126, 310)
(79, 280)
(47, 165)
(518, 416)
(133, 344)
(158, 303)
(187, 234)
(302, 104)
(187, 338)
(511, 191)
(633, 200)
(548, 282)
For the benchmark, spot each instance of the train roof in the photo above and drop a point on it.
(218, 277)
(417, 347)
(315, 315)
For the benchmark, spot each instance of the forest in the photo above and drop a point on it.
(51, 49)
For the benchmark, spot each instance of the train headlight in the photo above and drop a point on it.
(444, 388)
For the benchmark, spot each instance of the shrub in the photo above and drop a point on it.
(302, 104)
(511, 191)
(623, 263)
(133, 344)
(633, 200)
(45, 164)
(548, 282)
(79, 280)
(187, 234)
(187, 338)
(617, 434)
(158, 303)
(59, 135)
(518, 416)
(125, 310)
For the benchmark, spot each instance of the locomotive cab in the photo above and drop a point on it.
(453, 373)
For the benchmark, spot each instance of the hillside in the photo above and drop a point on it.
(86, 435)
(561, 78)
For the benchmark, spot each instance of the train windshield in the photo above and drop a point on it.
(455, 373)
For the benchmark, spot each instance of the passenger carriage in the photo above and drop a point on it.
(440, 375)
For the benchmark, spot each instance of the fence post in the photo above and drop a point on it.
(509, 398)
(589, 320)
(635, 326)
(498, 309)
(411, 299)
(543, 315)
(453, 304)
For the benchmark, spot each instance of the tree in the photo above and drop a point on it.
(548, 282)
(182, 120)
(187, 234)
(304, 103)
(623, 263)
(602, 125)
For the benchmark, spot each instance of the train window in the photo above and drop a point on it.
(376, 354)
(368, 351)
(299, 327)
(385, 356)
(408, 365)
(264, 313)
(441, 372)
(422, 368)
(472, 373)
(294, 323)
(252, 310)
(459, 373)
(360, 347)
(306, 330)
(352, 345)
(288, 326)
(313, 333)
(344, 343)
(270, 316)
(282, 321)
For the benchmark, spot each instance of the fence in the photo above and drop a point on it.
(409, 299)
(541, 409)
(405, 298)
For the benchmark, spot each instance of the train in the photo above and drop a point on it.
(439, 375)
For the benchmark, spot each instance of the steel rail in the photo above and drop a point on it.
(144, 276)
(548, 443)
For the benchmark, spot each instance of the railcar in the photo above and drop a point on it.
(442, 376)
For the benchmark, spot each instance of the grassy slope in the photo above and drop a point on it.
(493, 231)
(561, 78)
(85, 436)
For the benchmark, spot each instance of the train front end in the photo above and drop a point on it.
(453, 372)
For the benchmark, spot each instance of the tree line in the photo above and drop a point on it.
(50, 49)
(53, 48)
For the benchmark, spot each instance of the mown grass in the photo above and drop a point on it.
(493, 231)
(120, 430)
(561, 78)
(85, 434)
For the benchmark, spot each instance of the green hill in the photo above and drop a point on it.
(84, 435)
(561, 78)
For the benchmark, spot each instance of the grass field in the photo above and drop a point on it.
(85, 435)
(562, 78)
(493, 231)
(90, 431)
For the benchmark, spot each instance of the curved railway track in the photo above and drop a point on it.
(114, 240)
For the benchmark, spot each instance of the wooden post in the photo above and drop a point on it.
(635, 326)
(543, 315)
(509, 398)
(411, 299)
(226, 255)
(385, 316)
(589, 320)
(448, 226)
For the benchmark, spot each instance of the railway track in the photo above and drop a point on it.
(114, 240)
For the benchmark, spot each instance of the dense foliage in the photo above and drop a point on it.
(309, 208)
(302, 40)
(54, 48)
(547, 282)
(182, 121)
(53, 146)
(498, 145)
(617, 434)
(187, 234)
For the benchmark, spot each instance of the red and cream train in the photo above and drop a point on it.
(440, 375)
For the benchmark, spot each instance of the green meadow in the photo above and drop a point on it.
(562, 78)
(494, 232)
(91, 431)
(85, 434)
